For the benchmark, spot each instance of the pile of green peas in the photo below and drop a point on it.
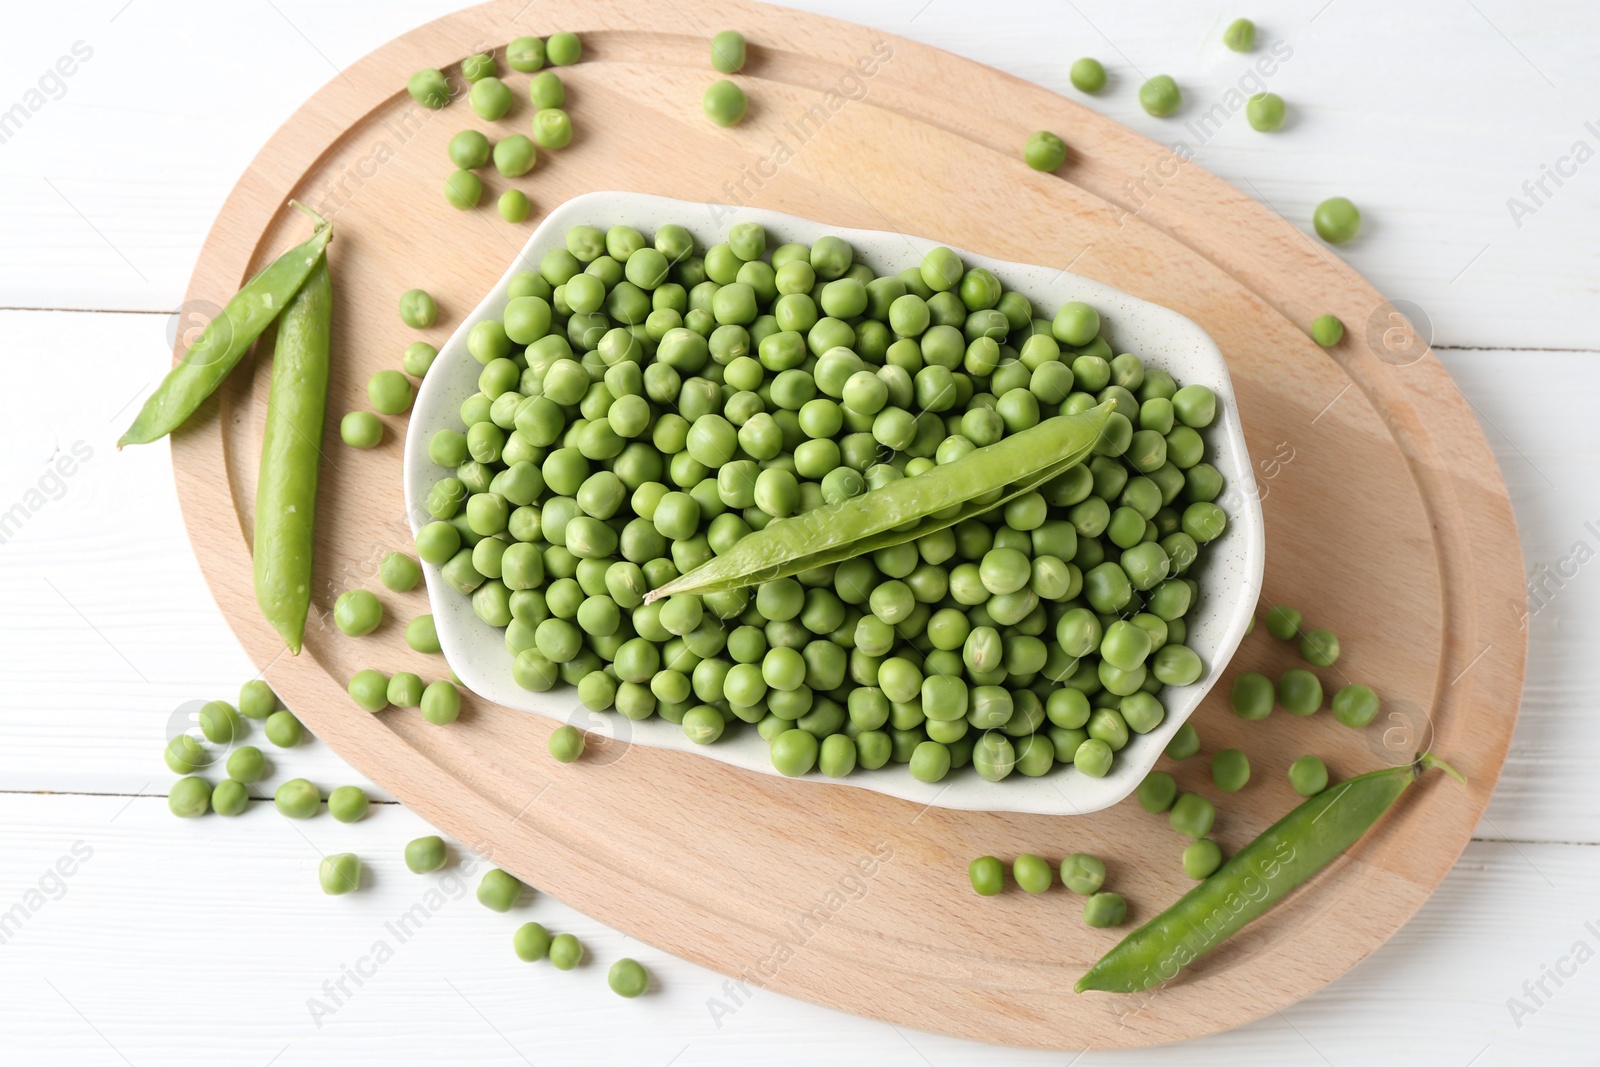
(643, 406)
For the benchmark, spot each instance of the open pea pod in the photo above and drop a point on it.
(900, 511)
(227, 338)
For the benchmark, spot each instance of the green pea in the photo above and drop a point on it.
(1083, 874)
(1283, 622)
(1157, 792)
(627, 978)
(417, 308)
(525, 54)
(441, 703)
(247, 765)
(1105, 909)
(1240, 36)
(1253, 696)
(1045, 151)
(566, 952)
(728, 52)
(430, 88)
(348, 803)
(499, 890)
(1201, 858)
(189, 798)
(1032, 873)
(1327, 330)
(531, 942)
(1088, 75)
(1355, 705)
(424, 855)
(1184, 743)
(490, 98)
(477, 67)
(1265, 112)
(220, 723)
(545, 90)
(230, 797)
(1300, 691)
(930, 762)
(361, 429)
(369, 689)
(724, 103)
(297, 799)
(563, 49)
(1308, 776)
(357, 612)
(422, 635)
(514, 205)
(1192, 814)
(1094, 758)
(1336, 220)
(1230, 770)
(463, 189)
(1160, 96)
(794, 752)
(256, 699)
(988, 876)
(283, 729)
(339, 873)
(552, 128)
(1320, 648)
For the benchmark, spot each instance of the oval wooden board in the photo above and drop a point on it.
(1385, 514)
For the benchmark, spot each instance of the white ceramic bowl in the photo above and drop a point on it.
(1230, 571)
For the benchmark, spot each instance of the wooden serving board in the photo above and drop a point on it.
(1385, 511)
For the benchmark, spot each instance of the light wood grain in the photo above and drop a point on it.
(1431, 498)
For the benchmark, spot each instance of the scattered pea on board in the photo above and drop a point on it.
(1265, 112)
(1337, 220)
(628, 978)
(1032, 873)
(339, 873)
(1160, 96)
(1326, 330)
(1083, 874)
(1045, 151)
(1240, 36)
(724, 103)
(988, 875)
(728, 52)
(1088, 75)
(499, 890)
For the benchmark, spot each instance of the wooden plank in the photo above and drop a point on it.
(227, 915)
(1400, 132)
(1428, 493)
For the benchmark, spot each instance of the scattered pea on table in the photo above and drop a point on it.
(230, 797)
(1160, 96)
(297, 798)
(348, 803)
(1252, 696)
(1088, 75)
(1320, 648)
(531, 942)
(627, 978)
(1157, 792)
(499, 890)
(1240, 36)
(256, 699)
(361, 429)
(1192, 814)
(566, 952)
(247, 765)
(189, 797)
(283, 729)
(1337, 220)
(339, 873)
(1283, 622)
(1184, 743)
(425, 855)
(1265, 112)
(220, 722)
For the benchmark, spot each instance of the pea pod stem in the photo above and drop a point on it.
(291, 453)
(1286, 854)
(903, 510)
(226, 338)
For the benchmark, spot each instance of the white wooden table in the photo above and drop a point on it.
(126, 935)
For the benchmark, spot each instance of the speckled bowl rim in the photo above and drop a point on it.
(1231, 568)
